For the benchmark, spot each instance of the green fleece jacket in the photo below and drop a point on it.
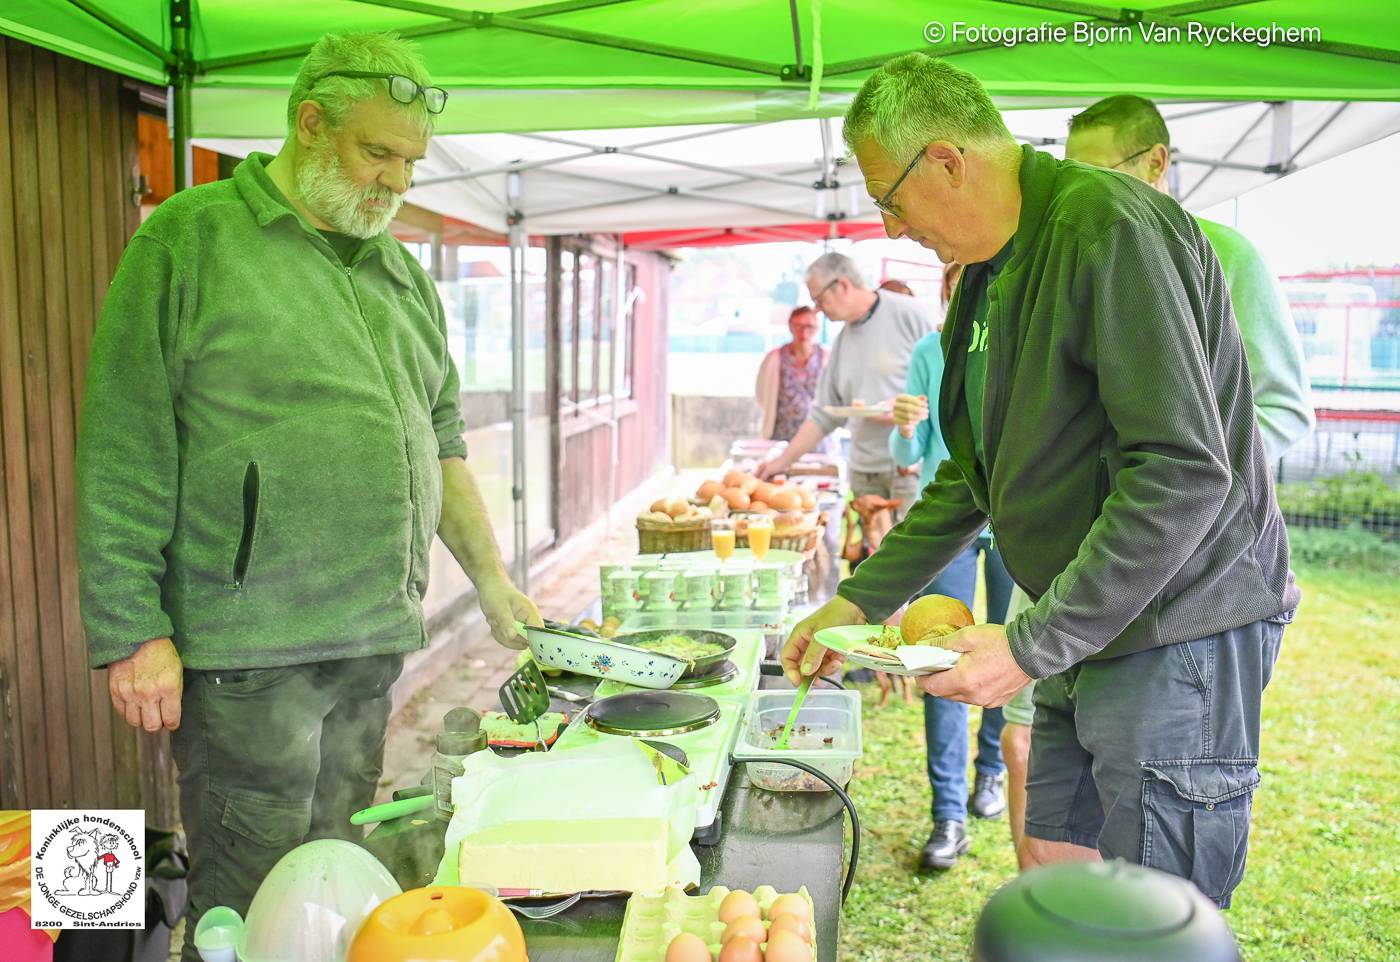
(1124, 474)
(258, 458)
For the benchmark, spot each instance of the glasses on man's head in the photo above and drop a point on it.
(403, 89)
(885, 204)
(1131, 157)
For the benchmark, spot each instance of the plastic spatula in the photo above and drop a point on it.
(802, 690)
(525, 696)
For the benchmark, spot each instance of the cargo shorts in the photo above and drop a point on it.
(1154, 757)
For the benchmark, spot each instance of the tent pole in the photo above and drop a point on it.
(1226, 156)
(518, 397)
(619, 312)
(680, 192)
(796, 35)
(181, 75)
(675, 161)
(1316, 133)
(1281, 139)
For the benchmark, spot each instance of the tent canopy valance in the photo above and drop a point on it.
(634, 63)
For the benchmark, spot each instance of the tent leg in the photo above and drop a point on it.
(518, 396)
(1281, 137)
(181, 75)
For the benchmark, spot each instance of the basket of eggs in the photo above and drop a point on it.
(796, 522)
(673, 524)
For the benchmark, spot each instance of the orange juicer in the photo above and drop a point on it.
(439, 923)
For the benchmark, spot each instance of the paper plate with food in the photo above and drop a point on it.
(909, 648)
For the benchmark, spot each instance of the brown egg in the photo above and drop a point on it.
(749, 926)
(788, 500)
(790, 905)
(749, 483)
(795, 924)
(676, 507)
(708, 490)
(734, 478)
(687, 947)
(658, 505)
(736, 905)
(741, 949)
(787, 947)
(763, 492)
(738, 500)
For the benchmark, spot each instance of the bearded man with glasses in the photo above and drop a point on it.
(271, 439)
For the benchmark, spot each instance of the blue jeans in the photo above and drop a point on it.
(945, 722)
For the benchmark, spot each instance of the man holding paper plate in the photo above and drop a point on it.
(1097, 410)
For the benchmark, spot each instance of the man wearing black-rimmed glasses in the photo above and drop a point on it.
(271, 440)
(1096, 407)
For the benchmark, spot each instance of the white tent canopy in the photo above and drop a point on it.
(766, 174)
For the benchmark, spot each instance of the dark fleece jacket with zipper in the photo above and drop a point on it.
(258, 459)
(1124, 474)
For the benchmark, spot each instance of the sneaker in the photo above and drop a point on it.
(947, 841)
(988, 799)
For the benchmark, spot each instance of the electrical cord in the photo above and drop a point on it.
(845, 800)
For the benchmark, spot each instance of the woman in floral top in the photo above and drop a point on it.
(787, 378)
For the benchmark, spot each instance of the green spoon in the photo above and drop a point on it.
(802, 690)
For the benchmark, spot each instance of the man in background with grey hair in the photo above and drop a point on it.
(868, 366)
(1096, 408)
(271, 439)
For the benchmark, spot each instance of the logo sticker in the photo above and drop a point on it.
(89, 869)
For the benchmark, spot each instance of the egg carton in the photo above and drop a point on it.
(652, 921)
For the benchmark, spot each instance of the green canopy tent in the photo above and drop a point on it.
(518, 67)
(635, 63)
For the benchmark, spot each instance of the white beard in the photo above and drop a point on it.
(336, 199)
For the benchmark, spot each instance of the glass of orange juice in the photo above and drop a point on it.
(722, 537)
(760, 535)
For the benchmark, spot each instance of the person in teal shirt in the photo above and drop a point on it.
(917, 440)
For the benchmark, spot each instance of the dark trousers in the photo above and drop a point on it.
(270, 758)
(945, 722)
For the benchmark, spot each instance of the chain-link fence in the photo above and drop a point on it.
(1346, 472)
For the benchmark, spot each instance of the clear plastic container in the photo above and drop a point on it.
(826, 736)
(312, 902)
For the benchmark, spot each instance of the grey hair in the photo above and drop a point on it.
(915, 99)
(367, 52)
(833, 266)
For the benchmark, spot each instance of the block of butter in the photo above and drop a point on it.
(584, 855)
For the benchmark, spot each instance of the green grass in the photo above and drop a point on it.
(1324, 860)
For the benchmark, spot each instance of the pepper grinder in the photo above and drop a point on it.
(461, 736)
